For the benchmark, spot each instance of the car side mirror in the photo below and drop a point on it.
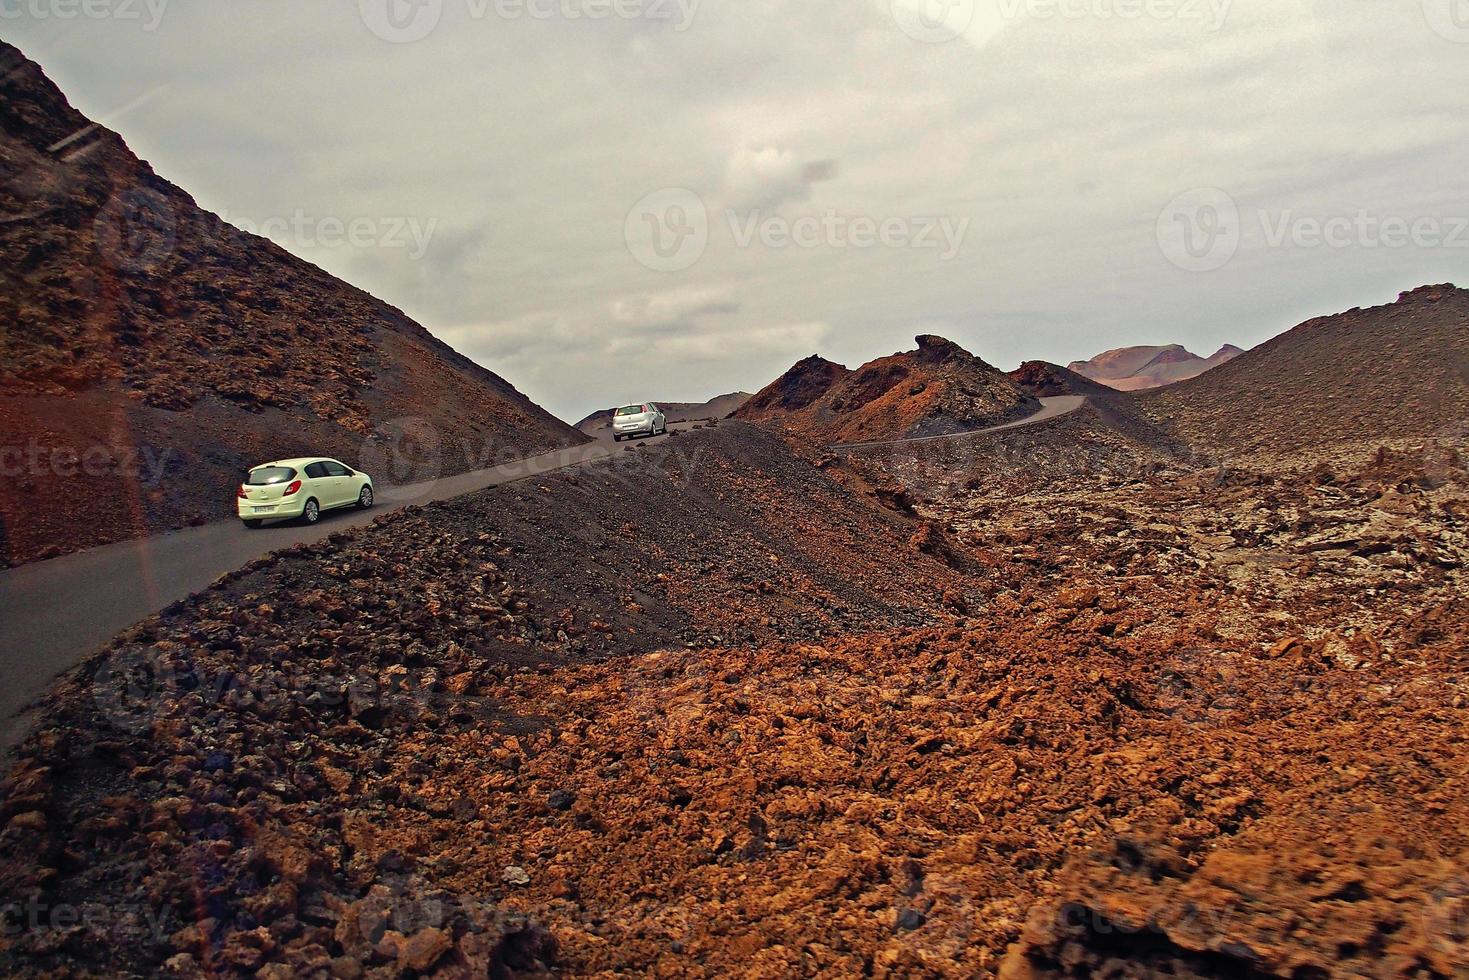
(350, 471)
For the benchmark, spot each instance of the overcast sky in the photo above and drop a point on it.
(680, 198)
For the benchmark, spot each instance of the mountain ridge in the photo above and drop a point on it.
(938, 389)
(1143, 367)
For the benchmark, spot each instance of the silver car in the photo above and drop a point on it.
(638, 420)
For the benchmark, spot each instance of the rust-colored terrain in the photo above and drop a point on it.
(938, 389)
(1172, 685)
(1079, 699)
(150, 352)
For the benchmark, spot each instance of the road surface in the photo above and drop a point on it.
(54, 613)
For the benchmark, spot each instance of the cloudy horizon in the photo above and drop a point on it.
(609, 200)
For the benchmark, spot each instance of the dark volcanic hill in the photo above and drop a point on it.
(1399, 370)
(938, 389)
(1046, 380)
(150, 352)
(717, 407)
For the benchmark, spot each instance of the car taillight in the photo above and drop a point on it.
(241, 493)
(295, 485)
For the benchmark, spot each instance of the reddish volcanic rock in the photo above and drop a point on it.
(804, 383)
(940, 388)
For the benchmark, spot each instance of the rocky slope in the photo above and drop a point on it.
(1188, 723)
(1394, 371)
(938, 389)
(1140, 368)
(219, 790)
(717, 407)
(149, 352)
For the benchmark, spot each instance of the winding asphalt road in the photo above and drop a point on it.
(54, 613)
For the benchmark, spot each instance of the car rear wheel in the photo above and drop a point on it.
(364, 499)
(253, 524)
(616, 438)
(311, 513)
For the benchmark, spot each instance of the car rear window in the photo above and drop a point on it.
(631, 410)
(267, 475)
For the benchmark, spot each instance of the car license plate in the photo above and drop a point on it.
(261, 510)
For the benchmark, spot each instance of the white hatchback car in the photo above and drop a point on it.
(300, 488)
(638, 420)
